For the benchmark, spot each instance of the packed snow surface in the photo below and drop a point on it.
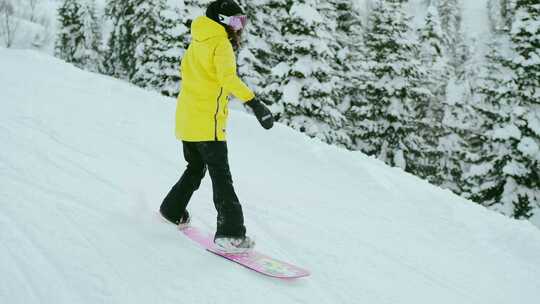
(86, 160)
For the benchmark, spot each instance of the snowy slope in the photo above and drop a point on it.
(86, 160)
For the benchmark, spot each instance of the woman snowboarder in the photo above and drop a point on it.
(209, 75)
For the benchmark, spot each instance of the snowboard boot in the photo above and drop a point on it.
(182, 223)
(234, 245)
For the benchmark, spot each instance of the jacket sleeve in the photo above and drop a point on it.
(225, 62)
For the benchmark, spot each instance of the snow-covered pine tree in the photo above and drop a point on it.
(145, 43)
(494, 15)
(193, 9)
(508, 8)
(79, 36)
(256, 58)
(450, 12)
(93, 44)
(304, 80)
(525, 36)
(434, 59)
(345, 40)
(498, 15)
(459, 143)
(172, 33)
(394, 100)
(486, 180)
(120, 59)
(146, 21)
(70, 38)
(364, 114)
(9, 22)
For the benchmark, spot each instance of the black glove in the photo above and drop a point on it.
(262, 113)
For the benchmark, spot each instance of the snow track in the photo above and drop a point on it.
(86, 161)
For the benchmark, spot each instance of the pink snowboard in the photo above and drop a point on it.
(252, 260)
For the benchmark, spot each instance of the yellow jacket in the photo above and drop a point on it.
(208, 73)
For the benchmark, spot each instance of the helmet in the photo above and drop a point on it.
(227, 13)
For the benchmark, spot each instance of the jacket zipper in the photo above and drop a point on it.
(215, 115)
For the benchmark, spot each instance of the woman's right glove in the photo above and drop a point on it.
(263, 114)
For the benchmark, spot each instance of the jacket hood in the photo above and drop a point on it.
(204, 28)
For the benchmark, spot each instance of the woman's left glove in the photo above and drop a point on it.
(263, 114)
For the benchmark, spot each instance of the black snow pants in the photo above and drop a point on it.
(200, 156)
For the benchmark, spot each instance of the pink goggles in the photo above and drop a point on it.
(235, 22)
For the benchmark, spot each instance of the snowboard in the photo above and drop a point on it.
(253, 260)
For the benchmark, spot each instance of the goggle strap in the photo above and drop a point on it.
(224, 19)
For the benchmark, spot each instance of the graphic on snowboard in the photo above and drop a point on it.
(253, 260)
